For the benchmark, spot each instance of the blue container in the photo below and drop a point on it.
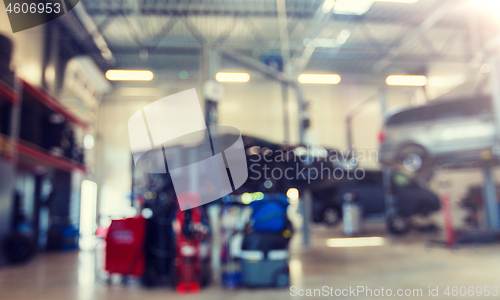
(69, 238)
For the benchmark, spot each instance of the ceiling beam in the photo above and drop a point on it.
(429, 22)
(115, 13)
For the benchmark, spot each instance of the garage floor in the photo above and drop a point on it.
(402, 263)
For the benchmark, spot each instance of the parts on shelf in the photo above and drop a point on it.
(47, 126)
(31, 155)
(6, 148)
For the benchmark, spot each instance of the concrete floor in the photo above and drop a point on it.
(402, 263)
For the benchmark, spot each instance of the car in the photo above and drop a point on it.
(410, 198)
(447, 132)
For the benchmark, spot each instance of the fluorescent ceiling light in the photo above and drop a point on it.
(355, 242)
(343, 36)
(352, 7)
(129, 75)
(319, 78)
(232, 77)
(397, 1)
(327, 6)
(406, 80)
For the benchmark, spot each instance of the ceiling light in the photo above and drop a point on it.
(129, 75)
(397, 1)
(232, 77)
(352, 7)
(319, 78)
(406, 80)
(327, 6)
(343, 36)
(355, 242)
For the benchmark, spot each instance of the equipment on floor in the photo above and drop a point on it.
(160, 243)
(19, 248)
(125, 247)
(191, 266)
(19, 245)
(232, 223)
(62, 236)
(264, 260)
(264, 255)
(352, 215)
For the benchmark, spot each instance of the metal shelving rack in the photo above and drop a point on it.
(22, 155)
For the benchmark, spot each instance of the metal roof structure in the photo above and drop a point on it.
(389, 35)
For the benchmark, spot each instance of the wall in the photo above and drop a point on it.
(114, 158)
(28, 49)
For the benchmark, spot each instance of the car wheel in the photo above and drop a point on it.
(413, 157)
(331, 216)
(282, 280)
(399, 224)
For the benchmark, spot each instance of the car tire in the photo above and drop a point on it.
(399, 224)
(413, 157)
(331, 216)
(282, 279)
(19, 248)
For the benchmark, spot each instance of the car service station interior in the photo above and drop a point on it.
(270, 149)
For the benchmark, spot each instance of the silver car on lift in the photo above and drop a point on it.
(454, 131)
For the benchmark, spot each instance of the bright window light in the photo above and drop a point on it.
(129, 75)
(355, 242)
(88, 210)
(352, 7)
(232, 77)
(397, 1)
(406, 80)
(293, 194)
(327, 6)
(319, 78)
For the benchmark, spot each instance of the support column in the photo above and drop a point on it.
(306, 208)
(490, 200)
(490, 195)
(306, 198)
(212, 90)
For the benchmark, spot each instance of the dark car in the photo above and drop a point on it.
(410, 198)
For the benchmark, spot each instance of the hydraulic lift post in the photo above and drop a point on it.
(489, 191)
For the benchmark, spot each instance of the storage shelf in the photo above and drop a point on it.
(51, 104)
(6, 147)
(7, 93)
(34, 155)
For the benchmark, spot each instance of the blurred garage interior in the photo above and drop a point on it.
(366, 133)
